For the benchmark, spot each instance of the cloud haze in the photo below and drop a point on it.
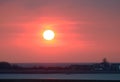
(86, 30)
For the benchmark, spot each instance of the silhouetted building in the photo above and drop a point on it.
(105, 65)
(97, 67)
(115, 67)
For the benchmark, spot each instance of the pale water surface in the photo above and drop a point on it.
(62, 76)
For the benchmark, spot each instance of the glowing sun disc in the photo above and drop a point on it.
(48, 35)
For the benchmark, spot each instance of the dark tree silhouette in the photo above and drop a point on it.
(5, 65)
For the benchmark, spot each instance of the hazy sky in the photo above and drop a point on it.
(86, 30)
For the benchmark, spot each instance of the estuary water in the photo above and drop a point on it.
(62, 76)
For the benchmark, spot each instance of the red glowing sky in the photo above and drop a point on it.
(86, 30)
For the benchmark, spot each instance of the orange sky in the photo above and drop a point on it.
(86, 30)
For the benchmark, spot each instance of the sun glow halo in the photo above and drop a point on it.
(48, 35)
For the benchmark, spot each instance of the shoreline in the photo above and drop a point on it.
(54, 72)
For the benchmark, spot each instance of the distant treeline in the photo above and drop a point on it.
(97, 67)
(6, 65)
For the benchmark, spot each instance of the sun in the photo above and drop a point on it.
(48, 35)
